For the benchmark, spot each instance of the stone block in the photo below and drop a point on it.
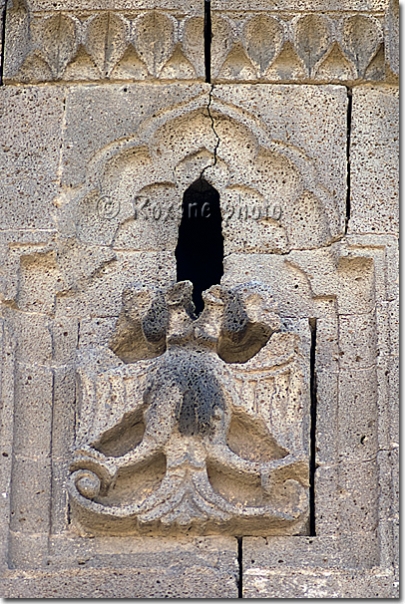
(392, 36)
(38, 282)
(317, 583)
(290, 286)
(103, 294)
(357, 341)
(63, 412)
(26, 551)
(336, 273)
(394, 398)
(96, 332)
(30, 495)
(389, 504)
(59, 521)
(33, 411)
(2, 3)
(359, 550)
(393, 310)
(374, 142)
(65, 334)
(181, 6)
(156, 568)
(356, 429)
(132, 104)
(327, 344)
(34, 338)
(300, 5)
(327, 393)
(326, 501)
(117, 41)
(346, 498)
(29, 153)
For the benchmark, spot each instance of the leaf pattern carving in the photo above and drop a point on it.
(361, 38)
(313, 39)
(58, 41)
(154, 40)
(263, 36)
(106, 41)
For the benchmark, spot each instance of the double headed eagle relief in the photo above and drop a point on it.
(194, 425)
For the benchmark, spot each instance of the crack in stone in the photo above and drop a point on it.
(214, 131)
(3, 41)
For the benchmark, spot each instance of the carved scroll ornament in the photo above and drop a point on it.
(193, 424)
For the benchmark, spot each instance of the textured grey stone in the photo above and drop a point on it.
(132, 105)
(356, 551)
(2, 3)
(320, 583)
(356, 426)
(80, 157)
(29, 153)
(347, 498)
(320, 113)
(392, 26)
(300, 42)
(374, 142)
(181, 395)
(202, 568)
(302, 5)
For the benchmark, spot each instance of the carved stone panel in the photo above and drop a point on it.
(80, 42)
(285, 43)
(205, 424)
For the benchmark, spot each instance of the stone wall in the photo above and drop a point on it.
(283, 481)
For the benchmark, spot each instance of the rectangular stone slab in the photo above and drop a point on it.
(31, 138)
(374, 160)
(151, 568)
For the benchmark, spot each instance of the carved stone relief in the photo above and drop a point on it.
(253, 45)
(104, 45)
(131, 197)
(205, 426)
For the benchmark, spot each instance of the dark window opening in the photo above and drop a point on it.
(200, 248)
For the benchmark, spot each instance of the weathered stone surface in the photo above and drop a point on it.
(118, 41)
(132, 105)
(2, 3)
(302, 5)
(314, 583)
(347, 498)
(320, 119)
(130, 201)
(29, 153)
(374, 143)
(224, 419)
(392, 33)
(203, 567)
(200, 568)
(356, 551)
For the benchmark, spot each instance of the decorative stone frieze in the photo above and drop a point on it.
(90, 45)
(253, 44)
(271, 46)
